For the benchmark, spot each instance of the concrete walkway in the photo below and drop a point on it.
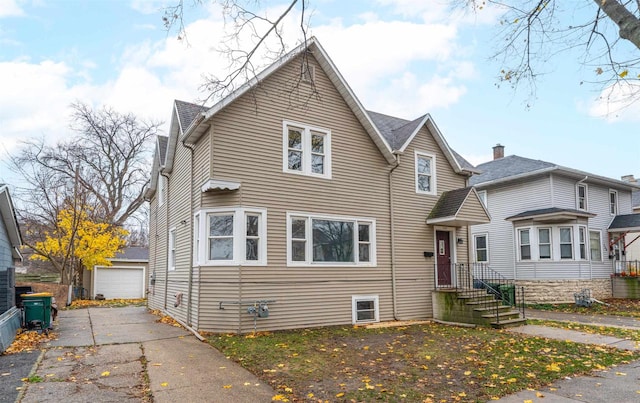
(101, 355)
(617, 384)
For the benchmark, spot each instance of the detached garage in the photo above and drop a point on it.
(126, 278)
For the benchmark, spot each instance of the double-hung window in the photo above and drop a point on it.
(230, 236)
(613, 202)
(328, 240)
(425, 174)
(544, 243)
(482, 248)
(581, 197)
(524, 242)
(595, 245)
(566, 243)
(307, 150)
(171, 250)
(582, 242)
(160, 190)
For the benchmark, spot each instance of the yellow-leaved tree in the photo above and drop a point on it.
(77, 242)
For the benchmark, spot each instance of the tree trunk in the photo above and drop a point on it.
(628, 23)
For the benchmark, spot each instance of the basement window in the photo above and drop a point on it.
(365, 309)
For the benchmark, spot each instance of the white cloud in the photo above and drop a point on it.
(616, 103)
(151, 6)
(10, 8)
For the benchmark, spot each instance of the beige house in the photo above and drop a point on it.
(289, 205)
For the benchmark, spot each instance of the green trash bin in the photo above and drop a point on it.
(37, 307)
(508, 293)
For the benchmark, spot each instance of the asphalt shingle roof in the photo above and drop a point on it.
(625, 221)
(133, 253)
(187, 112)
(542, 211)
(449, 203)
(162, 149)
(511, 165)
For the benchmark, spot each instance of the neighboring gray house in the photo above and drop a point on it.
(633, 238)
(555, 230)
(10, 241)
(126, 278)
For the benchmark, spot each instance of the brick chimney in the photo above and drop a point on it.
(498, 151)
(630, 179)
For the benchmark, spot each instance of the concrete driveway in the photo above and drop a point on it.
(124, 355)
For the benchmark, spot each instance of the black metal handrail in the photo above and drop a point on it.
(477, 280)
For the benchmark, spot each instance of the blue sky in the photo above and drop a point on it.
(401, 57)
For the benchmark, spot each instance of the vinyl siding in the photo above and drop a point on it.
(415, 273)
(6, 259)
(247, 147)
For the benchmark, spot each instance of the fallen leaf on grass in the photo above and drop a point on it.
(621, 373)
(157, 364)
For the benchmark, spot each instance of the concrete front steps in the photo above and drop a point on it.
(473, 307)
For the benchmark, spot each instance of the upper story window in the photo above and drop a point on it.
(581, 197)
(481, 245)
(425, 173)
(482, 195)
(230, 237)
(171, 250)
(306, 150)
(524, 241)
(326, 240)
(161, 183)
(613, 202)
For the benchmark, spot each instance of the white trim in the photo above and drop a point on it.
(571, 229)
(586, 243)
(161, 187)
(519, 245)
(537, 233)
(433, 178)
(171, 249)
(309, 217)
(482, 196)
(600, 248)
(475, 249)
(306, 149)
(586, 196)
(239, 236)
(354, 311)
(615, 192)
(197, 238)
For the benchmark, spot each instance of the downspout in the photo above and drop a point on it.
(166, 270)
(190, 281)
(393, 244)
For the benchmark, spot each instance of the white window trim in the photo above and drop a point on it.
(434, 190)
(354, 312)
(482, 195)
(309, 240)
(589, 231)
(239, 237)
(306, 149)
(475, 248)
(519, 245)
(586, 243)
(537, 234)
(161, 187)
(197, 238)
(171, 249)
(573, 243)
(615, 192)
(586, 197)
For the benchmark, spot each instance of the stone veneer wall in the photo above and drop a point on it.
(557, 291)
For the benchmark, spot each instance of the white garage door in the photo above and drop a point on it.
(119, 282)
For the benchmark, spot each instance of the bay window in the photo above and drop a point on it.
(524, 242)
(544, 243)
(582, 242)
(230, 236)
(327, 240)
(566, 243)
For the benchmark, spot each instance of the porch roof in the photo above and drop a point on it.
(625, 223)
(458, 208)
(551, 214)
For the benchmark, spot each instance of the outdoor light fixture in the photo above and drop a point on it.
(460, 241)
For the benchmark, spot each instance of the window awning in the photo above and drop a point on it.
(459, 208)
(551, 215)
(214, 184)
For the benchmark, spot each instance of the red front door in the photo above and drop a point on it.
(443, 259)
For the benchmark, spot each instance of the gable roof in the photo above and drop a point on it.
(187, 113)
(453, 208)
(199, 125)
(161, 145)
(400, 132)
(8, 216)
(514, 167)
(133, 253)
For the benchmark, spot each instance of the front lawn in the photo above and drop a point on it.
(614, 307)
(424, 363)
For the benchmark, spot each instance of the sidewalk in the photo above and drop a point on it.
(101, 355)
(616, 384)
